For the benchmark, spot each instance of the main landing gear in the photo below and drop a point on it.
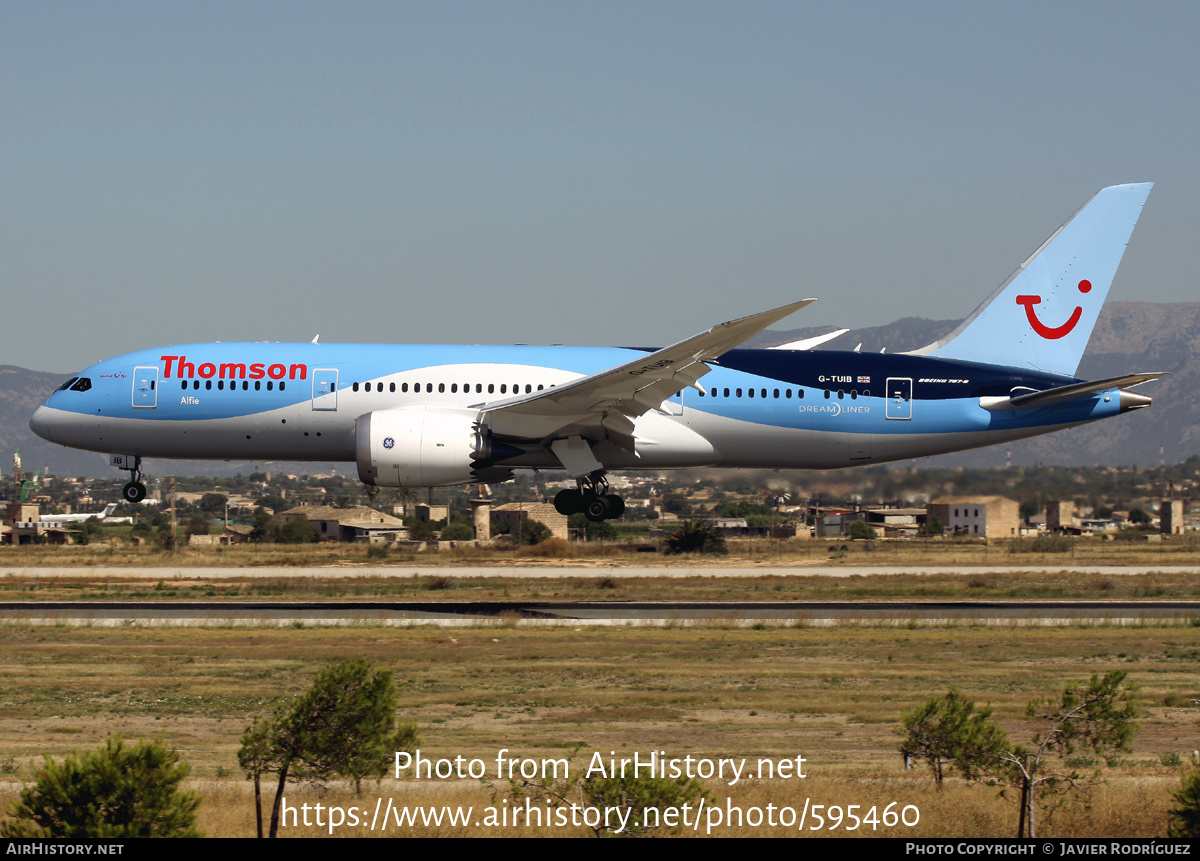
(135, 491)
(591, 499)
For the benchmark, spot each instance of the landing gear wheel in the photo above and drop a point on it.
(134, 492)
(568, 502)
(591, 499)
(616, 506)
(598, 508)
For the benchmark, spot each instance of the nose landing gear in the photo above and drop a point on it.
(134, 491)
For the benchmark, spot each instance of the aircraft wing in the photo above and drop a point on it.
(1061, 394)
(604, 405)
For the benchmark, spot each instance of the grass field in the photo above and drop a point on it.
(1171, 550)
(832, 696)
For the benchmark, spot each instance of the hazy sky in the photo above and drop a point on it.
(601, 173)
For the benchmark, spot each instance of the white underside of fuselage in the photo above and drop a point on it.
(693, 439)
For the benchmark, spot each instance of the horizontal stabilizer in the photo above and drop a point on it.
(1062, 394)
(811, 343)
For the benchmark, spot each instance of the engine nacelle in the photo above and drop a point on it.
(419, 446)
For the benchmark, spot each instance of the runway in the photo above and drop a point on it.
(734, 613)
(526, 571)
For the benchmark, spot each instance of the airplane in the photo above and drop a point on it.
(438, 415)
(60, 519)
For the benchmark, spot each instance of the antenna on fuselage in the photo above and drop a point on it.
(316, 338)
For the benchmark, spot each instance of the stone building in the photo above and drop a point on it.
(357, 523)
(978, 516)
(515, 514)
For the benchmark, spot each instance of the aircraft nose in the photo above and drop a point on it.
(40, 423)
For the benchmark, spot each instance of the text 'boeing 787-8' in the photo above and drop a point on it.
(413, 415)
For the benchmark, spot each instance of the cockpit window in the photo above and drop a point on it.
(67, 384)
(81, 385)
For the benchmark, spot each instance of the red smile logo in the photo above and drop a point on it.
(1052, 332)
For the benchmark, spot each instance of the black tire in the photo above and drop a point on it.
(598, 508)
(568, 502)
(134, 492)
(616, 506)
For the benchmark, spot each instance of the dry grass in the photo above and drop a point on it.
(1124, 806)
(1173, 550)
(831, 696)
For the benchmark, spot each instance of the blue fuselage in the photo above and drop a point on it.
(758, 408)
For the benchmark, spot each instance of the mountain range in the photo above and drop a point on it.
(1129, 337)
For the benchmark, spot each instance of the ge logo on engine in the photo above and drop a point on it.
(388, 442)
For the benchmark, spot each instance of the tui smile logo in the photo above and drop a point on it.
(1052, 333)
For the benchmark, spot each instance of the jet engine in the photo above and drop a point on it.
(421, 446)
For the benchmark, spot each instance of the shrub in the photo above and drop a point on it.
(532, 532)
(861, 530)
(458, 531)
(695, 537)
(116, 791)
(1185, 815)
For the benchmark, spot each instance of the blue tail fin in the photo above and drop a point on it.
(1042, 316)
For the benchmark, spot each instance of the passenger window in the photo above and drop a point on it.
(220, 385)
(391, 387)
(246, 385)
(208, 384)
(841, 394)
(195, 384)
(354, 387)
(750, 393)
(429, 388)
(491, 388)
(738, 392)
(528, 388)
(441, 388)
(854, 394)
(777, 393)
(183, 384)
(282, 384)
(788, 394)
(827, 394)
(726, 393)
(258, 385)
(270, 385)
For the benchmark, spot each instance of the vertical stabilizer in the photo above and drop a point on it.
(1043, 315)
